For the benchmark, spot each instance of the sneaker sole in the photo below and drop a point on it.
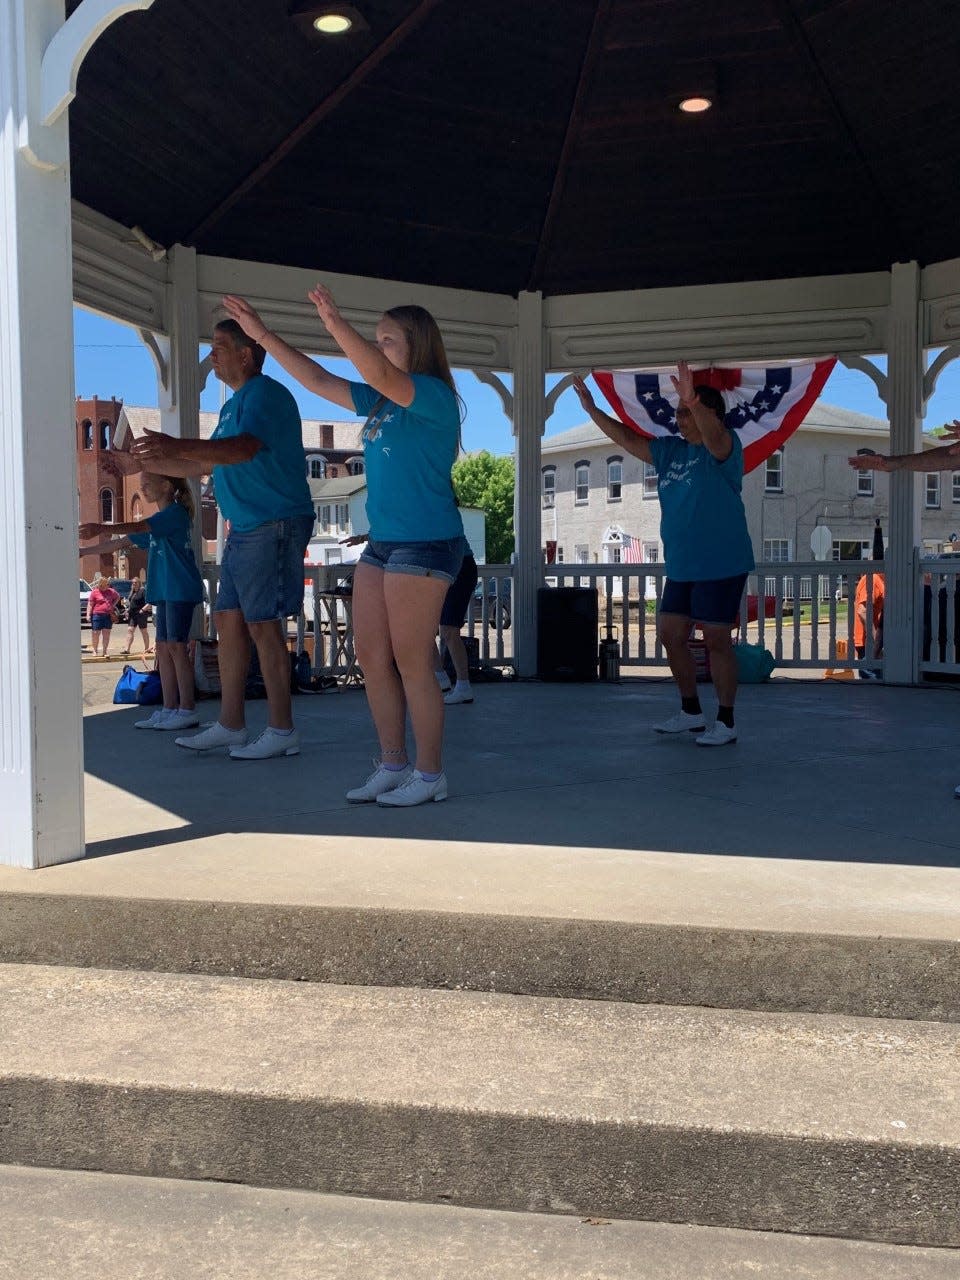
(392, 804)
(674, 733)
(274, 755)
(729, 743)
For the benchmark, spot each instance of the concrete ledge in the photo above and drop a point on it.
(891, 977)
(74, 1226)
(820, 1125)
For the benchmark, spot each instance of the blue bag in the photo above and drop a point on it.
(754, 663)
(138, 688)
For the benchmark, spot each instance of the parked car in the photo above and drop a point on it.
(85, 589)
(123, 586)
(498, 605)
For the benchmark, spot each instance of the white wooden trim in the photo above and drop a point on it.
(68, 48)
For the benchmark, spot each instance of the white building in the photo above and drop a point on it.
(593, 493)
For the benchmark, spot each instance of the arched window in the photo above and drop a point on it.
(136, 508)
(104, 434)
(581, 473)
(614, 479)
(86, 431)
(317, 467)
(106, 506)
(355, 466)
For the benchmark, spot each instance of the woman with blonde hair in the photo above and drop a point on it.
(410, 439)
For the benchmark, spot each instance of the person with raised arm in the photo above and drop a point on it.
(706, 545)
(411, 437)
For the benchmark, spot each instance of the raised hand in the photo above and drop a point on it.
(155, 447)
(89, 529)
(322, 299)
(583, 393)
(683, 384)
(249, 321)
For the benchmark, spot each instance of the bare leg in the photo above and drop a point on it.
(371, 634)
(184, 675)
(723, 663)
(674, 634)
(413, 604)
(275, 669)
(105, 638)
(452, 638)
(168, 675)
(145, 638)
(233, 654)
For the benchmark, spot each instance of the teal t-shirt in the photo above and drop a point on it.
(407, 458)
(702, 521)
(273, 484)
(172, 572)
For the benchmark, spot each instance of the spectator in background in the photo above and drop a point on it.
(101, 607)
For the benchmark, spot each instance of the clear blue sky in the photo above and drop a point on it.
(111, 360)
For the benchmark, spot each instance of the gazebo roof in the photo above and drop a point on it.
(504, 146)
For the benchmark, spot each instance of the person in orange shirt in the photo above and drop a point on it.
(860, 620)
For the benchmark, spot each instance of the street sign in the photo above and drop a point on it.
(821, 542)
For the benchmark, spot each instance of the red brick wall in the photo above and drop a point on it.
(94, 426)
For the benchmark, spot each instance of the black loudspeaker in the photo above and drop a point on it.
(567, 633)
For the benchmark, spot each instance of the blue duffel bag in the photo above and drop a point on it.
(138, 688)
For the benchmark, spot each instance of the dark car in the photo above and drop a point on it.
(123, 587)
(498, 602)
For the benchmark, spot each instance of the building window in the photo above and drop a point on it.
(136, 508)
(324, 513)
(864, 484)
(956, 486)
(104, 434)
(774, 477)
(932, 499)
(649, 480)
(581, 553)
(614, 479)
(343, 516)
(847, 549)
(651, 552)
(106, 506)
(318, 468)
(559, 559)
(86, 428)
(548, 486)
(776, 550)
(355, 466)
(581, 473)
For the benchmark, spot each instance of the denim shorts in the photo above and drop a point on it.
(716, 602)
(262, 569)
(174, 618)
(101, 622)
(440, 559)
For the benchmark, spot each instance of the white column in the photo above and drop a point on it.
(905, 411)
(41, 745)
(529, 410)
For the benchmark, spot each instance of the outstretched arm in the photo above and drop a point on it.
(621, 435)
(946, 458)
(171, 456)
(716, 438)
(106, 546)
(307, 371)
(367, 358)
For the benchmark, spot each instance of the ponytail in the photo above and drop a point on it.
(182, 494)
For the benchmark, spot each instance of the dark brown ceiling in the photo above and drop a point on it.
(512, 144)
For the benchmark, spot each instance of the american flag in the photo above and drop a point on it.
(631, 549)
(765, 403)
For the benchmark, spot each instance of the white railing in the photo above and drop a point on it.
(938, 615)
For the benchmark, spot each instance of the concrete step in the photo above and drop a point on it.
(806, 1123)
(87, 1226)
(627, 925)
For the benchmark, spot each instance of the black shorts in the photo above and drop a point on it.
(716, 602)
(138, 618)
(457, 602)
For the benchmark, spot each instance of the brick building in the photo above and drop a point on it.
(102, 494)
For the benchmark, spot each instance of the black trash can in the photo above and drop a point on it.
(567, 633)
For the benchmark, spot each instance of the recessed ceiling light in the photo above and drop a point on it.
(332, 24)
(696, 104)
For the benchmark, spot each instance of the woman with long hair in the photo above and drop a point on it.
(410, 441)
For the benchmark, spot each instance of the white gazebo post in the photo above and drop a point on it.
(41, 751)
(904, 397)
(529, 408)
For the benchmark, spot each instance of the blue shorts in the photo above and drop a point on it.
(262, 570)
(454, 611)
(440, 559)
(174, 618)
(716, 602)
(101, 622)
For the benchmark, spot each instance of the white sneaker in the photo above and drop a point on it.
(156, 720)
(458, 695)
(683, 722)
(179, 719)
(380, 780)
(214, 735)
(269, 744)
(719, 736)
(416, 790)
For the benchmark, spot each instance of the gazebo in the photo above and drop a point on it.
(524, 171)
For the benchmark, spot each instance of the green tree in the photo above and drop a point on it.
(485, 481)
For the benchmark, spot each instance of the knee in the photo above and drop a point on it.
(674, 636)
(718, 640)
